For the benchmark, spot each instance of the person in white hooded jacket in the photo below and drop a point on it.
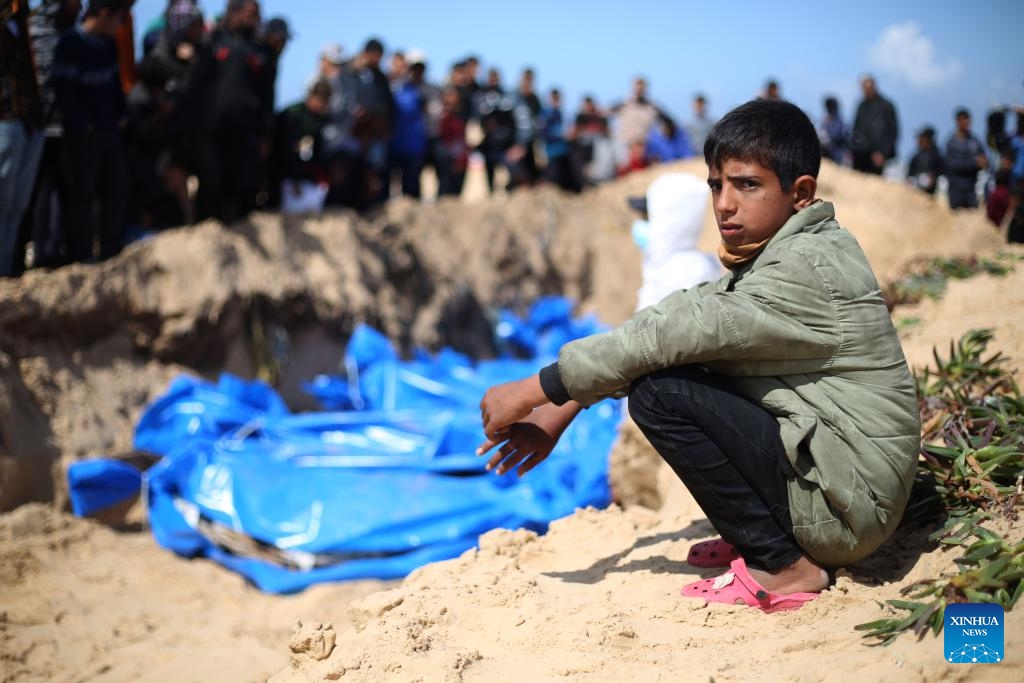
(675, 208)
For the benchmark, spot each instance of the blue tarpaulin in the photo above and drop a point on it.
(386, 483)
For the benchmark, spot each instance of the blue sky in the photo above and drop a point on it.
(929, 57)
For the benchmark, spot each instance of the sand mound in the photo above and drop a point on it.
(978, 302)
(83, 349)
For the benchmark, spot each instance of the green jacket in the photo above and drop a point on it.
(804, 332)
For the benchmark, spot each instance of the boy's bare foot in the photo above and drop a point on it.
(803, 576)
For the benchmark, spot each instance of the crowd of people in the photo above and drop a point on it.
(97, 142)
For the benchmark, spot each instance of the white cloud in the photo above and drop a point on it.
(903, 50)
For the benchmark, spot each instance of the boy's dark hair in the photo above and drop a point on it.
(961, 113)
(777, 135)
(374, 45)
(832, 105)
(321, 88)
(670, 125)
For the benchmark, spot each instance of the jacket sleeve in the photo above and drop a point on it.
(780, 312)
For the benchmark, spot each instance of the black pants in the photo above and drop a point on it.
(728, 452)
(863, 162)
(962, 194)
(410, 166)
(96, 168)
(43, 223)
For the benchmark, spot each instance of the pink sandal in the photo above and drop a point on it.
(737, 586)
(716, 553)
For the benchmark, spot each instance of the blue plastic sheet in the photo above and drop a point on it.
(355, 493)
(97, 484)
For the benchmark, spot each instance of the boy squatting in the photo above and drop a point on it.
(779, 394)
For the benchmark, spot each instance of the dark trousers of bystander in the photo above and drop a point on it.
(728, 452)
(962, 194)
(409, 167)
(96, 169)
(493, 158)
(863, 162)
(561, 172)
(237, 165)
(43, 223)
(450, 179)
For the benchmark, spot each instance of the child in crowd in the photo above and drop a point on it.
(927, 163)
(778, 394)
(998, 202)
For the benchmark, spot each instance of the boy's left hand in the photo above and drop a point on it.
(527, 446)
(530, 442)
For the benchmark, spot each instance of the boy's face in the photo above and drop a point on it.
(749, 203)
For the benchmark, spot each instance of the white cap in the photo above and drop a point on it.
(415, 56)
(332, 52)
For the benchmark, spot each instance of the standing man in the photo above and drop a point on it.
(965, 157)
(409, 145)
(239, 114)
(522, 158)
(875, 130)
(560, 169)
(701, 124)
(374, 117)
(21, 123)
(43, 221)
(495, 110)
(87, 82)
(635, 117)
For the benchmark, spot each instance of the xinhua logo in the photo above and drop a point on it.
(974, 633)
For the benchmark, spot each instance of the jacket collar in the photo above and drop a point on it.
(805, 220)
(815, 218)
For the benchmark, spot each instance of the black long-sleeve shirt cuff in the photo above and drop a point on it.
(551, 384)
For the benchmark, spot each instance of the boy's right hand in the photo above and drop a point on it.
(507, 403)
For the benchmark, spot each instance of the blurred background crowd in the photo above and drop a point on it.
(101, 142)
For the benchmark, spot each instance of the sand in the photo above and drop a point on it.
(81, 602)
(83, 349)
(596, 600)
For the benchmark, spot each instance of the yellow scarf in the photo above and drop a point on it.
(736, 257)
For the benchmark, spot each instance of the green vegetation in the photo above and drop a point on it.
(971, 470)
(927, 278)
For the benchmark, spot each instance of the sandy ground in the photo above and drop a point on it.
(83, 349)
(983, 301)
(81, 602)
(596, 600)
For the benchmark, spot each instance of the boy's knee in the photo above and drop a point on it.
(643, 391)
(641, 396)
